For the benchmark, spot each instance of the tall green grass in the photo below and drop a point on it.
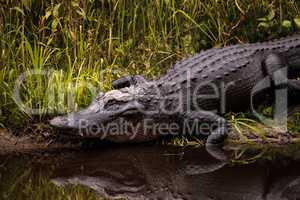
(97, 41)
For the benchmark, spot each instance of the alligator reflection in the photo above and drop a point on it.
(156, 173)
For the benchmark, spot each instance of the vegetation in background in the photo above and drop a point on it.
(86, 41)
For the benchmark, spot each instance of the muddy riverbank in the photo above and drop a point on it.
(9, 143)
(55, 141)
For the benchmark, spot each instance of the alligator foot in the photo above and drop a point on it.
(208, 120)
(127, 81)
(217, 153)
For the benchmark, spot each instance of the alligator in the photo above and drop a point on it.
(193, 96)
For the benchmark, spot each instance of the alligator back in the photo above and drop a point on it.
(222, 78)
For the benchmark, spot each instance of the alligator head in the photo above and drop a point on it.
(118, 115)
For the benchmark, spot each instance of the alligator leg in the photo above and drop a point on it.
(127, 81)
(195, 121)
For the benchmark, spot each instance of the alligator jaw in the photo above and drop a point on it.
(97, 125)
(65, 125)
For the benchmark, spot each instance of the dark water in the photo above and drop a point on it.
(136, 172)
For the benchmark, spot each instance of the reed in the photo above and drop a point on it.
(84, 44)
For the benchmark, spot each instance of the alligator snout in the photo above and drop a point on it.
(81, 121)
(60, 122)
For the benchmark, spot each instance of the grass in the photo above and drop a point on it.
(76, 48)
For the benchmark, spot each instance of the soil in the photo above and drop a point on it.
(9, 143)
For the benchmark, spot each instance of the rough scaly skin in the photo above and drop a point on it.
(196, 90)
